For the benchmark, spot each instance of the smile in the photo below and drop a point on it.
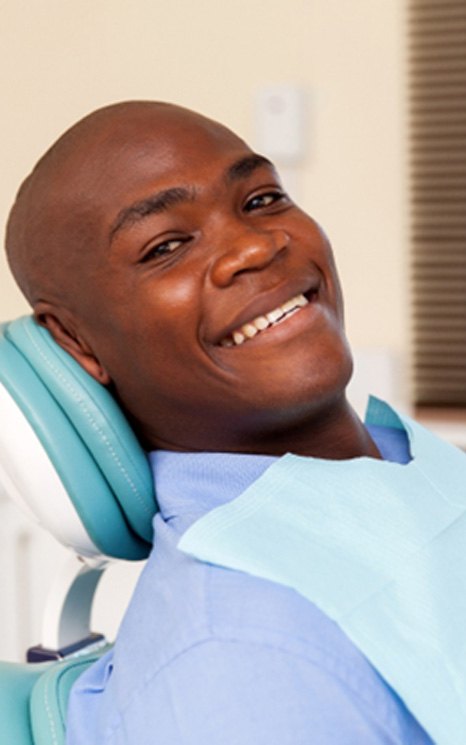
(250, 329)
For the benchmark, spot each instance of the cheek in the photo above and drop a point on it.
(313, 240)
(338, 294)
(158, 333)
(329, 268)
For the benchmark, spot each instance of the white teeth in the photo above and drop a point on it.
(249, 330)
(274, 315)
(261, 323)
(238, 337)
(289, 305)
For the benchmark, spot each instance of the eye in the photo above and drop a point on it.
(267, 199)
(163, 248)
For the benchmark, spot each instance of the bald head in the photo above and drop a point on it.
(147, 239)
(53, 226)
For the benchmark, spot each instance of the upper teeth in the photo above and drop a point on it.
(251, 328)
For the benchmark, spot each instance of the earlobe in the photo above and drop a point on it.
(62, 330)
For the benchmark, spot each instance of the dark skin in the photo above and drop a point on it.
(172, 234)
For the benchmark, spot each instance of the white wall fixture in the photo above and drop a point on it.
(281, 124)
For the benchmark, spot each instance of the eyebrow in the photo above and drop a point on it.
(163, 200)
(152, 205)
(246, 166)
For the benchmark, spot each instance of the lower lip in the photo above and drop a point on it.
(291, 325)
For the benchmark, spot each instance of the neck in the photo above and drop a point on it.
(333, 432)
(337, 433)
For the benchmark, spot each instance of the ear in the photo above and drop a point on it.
(62, 327)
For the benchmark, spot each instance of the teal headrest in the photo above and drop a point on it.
(92, 448)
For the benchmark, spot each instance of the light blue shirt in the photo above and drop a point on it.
(207, 655)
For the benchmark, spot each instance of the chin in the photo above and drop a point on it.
(324, 378)
(300, 392)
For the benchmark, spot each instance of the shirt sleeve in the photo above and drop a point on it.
(235, 693)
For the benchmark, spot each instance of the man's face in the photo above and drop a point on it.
(211, 300)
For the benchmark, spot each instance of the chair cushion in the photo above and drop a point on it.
(50, 694)
(34, 698)
(97, 418)
(85, 436)
(16, 684)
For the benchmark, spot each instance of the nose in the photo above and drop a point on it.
(251, 251)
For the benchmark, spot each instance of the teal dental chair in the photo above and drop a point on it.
(88, 482)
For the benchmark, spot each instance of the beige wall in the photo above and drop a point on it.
(59, 60)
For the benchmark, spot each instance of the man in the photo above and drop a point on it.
(162, 253)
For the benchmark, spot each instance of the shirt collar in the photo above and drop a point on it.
(191, 484)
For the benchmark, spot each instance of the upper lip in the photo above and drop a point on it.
(268, 301)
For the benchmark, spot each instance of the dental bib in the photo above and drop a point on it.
(379, 547)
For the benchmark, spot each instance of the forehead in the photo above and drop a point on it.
(157, 151)
(103, 165)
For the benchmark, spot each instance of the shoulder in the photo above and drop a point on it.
(181, 602)
(220, 640)
(206, 653)
(249, 692)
